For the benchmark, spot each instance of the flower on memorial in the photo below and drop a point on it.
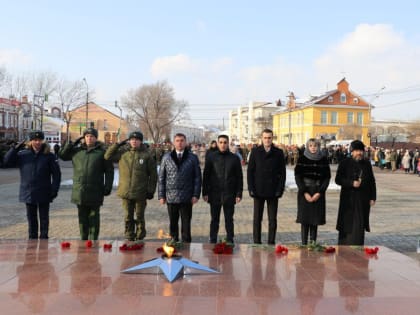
(65, 245)
(88, 244)
(281, 249)
(223, 248)
(371, 251)
(107, 246)
(171, 243)
(316, 247)
(129, 247)
(329, 250)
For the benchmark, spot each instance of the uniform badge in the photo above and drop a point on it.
(141, 161)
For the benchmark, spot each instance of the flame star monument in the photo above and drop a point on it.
(172, 267)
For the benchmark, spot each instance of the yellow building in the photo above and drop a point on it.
(339, 114)
(106, 122)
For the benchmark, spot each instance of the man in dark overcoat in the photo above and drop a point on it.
(40, 178)
(358, 194)
(222, 186)
(266, 177)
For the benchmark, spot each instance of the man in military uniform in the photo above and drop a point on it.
(40, 178)
(137, 181)
(89, 187)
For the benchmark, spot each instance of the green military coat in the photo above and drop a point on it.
(92, 174)
(137, 167)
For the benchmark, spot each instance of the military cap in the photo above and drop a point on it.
(136, 134)
(91, 131)
(36, 134)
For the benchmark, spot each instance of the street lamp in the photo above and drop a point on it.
(119, 129)
(87, 101)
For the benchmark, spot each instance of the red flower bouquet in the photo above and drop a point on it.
(371, 251)
(223, 247)
(107, 246)
(316, 247)
(129, 247)
(329, 250)
(281, 249)
(65, 245)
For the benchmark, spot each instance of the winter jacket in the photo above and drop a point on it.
(266, 173)
(137, 168)
(92, 174)
(312, 177)
(222, 178)
(179, 181)
(40, 174)
(354, 199)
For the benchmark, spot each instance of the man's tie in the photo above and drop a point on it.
(179, 157)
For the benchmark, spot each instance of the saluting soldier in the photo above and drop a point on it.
(137, 182)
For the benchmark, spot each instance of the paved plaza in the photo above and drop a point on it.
(41, 277)
(394, 220)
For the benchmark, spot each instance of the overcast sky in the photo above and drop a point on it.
(221, 54)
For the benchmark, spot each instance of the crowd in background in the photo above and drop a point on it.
(406, 160)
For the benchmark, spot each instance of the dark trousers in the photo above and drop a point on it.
(272, 206)
(306, 229)
(134, 228)
(44, 219)
(88, 222)
(228, 211)
(174, 211)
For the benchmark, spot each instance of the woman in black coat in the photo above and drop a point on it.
(312, 175)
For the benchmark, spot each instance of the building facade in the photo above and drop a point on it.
(246, 123)
(15, 118)
(107, 123)
(193, 134)
(338, 114)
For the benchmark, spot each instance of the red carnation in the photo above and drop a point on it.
(132, 247)
(108, 246)
(223, 248)
(88, 244)
(281, 249)
(371, 251)
(329, 250)
(65, 245)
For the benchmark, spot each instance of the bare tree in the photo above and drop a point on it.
(154, 109)
(70, 95)
(44, 83)
(19, 86)
(3, 78)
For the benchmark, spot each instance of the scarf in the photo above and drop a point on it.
(312, 156)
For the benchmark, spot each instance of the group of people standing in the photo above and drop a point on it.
(180, 183)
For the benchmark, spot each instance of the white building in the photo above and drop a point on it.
(246, 123)
(194, 134)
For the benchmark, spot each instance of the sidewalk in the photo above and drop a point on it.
(394, 219)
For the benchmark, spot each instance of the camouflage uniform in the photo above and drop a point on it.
(137, 182)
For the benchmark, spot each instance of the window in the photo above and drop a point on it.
(360, 118)
(333, 118)
(105, 124)
(1, 119)
(350, 117)
(323, 117)
(355, 100)
(343, 98)
(330, 99)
